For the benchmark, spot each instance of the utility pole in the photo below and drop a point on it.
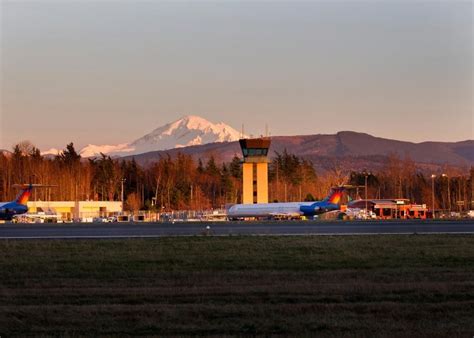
(449, 196)
(366, 175)
(432, 195)
(123, 180)
(471, 200)
(449, 192)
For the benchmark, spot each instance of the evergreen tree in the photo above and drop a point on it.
(211, 167)
(226, 184)
(69, 156)
(200, 168)
(235, 167)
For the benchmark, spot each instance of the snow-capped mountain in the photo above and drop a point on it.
(5, 152)
(92, 150)
(187, 131)
(51, 152)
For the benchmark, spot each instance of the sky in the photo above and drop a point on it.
(108, 72)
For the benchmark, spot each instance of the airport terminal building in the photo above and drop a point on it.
(74, 210)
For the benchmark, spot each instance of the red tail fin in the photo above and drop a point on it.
(24, 195)
(335, 195)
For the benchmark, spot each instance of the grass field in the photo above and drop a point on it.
(418, 285)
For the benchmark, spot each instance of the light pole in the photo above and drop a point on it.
(366, 174)
(432, 195)
(449, 192)
(123, 180)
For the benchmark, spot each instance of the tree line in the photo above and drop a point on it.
(180, 182)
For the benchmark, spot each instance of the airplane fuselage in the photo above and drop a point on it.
(290, 209)
(10, 209)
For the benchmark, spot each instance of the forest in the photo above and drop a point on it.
(182, 183)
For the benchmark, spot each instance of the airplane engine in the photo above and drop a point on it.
(309, 210)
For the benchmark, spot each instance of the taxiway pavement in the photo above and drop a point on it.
(131, 230)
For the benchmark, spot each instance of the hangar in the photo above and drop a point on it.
(391, 208)
(70, 210)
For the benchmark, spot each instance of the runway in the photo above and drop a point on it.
(131, 230)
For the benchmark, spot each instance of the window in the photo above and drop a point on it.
(255, 152)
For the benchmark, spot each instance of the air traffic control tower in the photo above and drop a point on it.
(255, 170)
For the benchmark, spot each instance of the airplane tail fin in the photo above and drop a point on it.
(24, 194)
(335, 195)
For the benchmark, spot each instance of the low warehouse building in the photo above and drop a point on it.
(70, 210)
(391, 208)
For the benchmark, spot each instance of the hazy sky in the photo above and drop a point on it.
(108, 71)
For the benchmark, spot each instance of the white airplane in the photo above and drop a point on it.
(287, 210)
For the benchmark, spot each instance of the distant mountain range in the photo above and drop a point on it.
(187, 131)
(346, 149)
(201, 138)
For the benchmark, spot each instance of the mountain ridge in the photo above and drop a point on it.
(345, 148)
(200, 138)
